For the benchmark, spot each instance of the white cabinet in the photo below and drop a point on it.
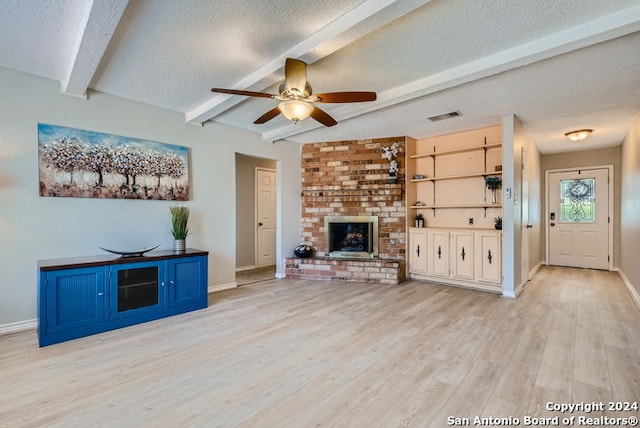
(418, 250)
(463, 257)
(439, 254)
(488, 264)
(462, 254)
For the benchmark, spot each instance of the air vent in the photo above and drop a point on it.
(445, 116)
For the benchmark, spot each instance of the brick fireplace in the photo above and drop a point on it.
(350, 178)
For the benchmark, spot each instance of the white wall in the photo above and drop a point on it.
(511, 213)
(630, 208)
(34, 227)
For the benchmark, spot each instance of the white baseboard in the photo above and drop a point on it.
(520, 288)
(243, 268)
(632, 291)
(535, 269)
(16, 327)
(221, 287)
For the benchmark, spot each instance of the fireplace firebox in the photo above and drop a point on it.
(351, 236)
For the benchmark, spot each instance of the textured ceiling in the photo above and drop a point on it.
(557, 64)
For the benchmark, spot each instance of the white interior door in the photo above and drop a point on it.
(266, 217)
(524, 225)
(578, 218)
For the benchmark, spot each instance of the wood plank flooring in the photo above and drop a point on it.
(285, 353)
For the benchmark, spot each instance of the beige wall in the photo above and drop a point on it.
(609, 156)
(34, 227)
(630, 207)
(246, 207)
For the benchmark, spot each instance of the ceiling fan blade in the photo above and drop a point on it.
(268, 116)
(346, 97)
(245, 93)
(295, 74)
(322, 117)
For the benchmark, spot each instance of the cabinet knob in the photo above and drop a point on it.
(172, 282)
(101, 294)
(439, 252)
(418, 251)
(489, 256)
(463, 254)
(162, 284)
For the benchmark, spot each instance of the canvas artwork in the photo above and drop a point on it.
(86, 164)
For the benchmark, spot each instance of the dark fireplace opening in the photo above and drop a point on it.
(352, 236)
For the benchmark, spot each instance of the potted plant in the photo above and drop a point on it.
(497, 221)
(179, 229)
(493, 183)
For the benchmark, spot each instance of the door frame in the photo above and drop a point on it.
(255, 215)
(610, 208)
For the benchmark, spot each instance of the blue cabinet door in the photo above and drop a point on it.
(75, 299)
(187, 282)
(136, 289)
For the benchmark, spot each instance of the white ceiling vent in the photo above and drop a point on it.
(445, 116)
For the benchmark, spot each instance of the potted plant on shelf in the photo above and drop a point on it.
(179, 229)
(493, 183)
(498, 223)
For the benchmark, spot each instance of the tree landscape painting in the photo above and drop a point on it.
(86, 164)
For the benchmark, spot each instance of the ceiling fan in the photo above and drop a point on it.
(297, 99)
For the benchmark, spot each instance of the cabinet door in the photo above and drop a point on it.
(418, 251)
(462, 254)
(187, 282)
(75, 298)
(439, 254)
(489, 257)
(136, 289)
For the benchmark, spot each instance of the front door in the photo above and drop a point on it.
(266, 217)
(578, 218)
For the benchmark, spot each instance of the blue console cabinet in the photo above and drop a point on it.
(83, 296)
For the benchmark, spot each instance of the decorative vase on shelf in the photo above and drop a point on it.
(493, 183)
(392, 179)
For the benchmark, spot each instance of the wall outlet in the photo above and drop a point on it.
(470, 220)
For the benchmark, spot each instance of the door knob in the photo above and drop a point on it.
(553, 224)
(260, 224)
(529, 226)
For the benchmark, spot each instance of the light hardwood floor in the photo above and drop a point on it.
(288, 353)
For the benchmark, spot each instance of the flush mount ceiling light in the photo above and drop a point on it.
(578, 135)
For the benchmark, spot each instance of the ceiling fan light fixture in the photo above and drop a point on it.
(578, 135)
(295, 110)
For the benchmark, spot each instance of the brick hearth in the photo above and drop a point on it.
(376, 271)
(350, 178)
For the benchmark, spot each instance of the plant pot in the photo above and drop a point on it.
(179, 246)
